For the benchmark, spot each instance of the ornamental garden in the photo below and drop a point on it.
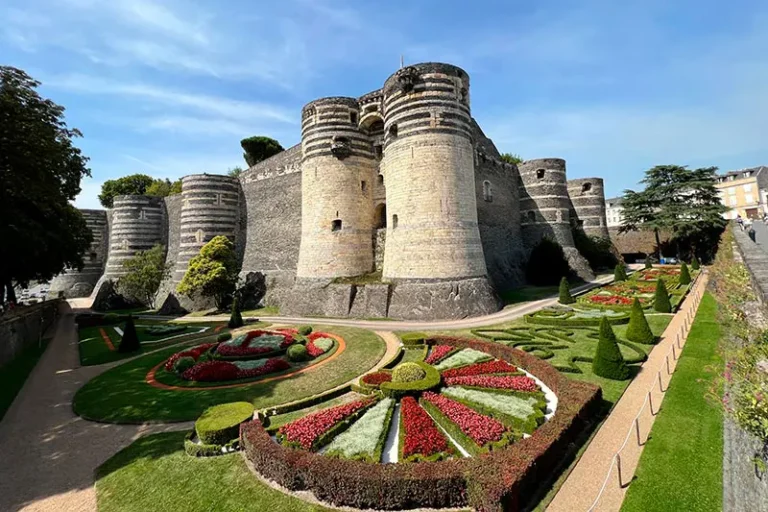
(485, 418)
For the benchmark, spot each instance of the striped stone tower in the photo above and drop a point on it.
(588, 201)
(210, 206)
(137, 225)
(338, 173)
(76, 283)
(428, 166)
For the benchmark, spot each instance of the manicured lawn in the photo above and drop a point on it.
(528, 293)
(121, 395)
(681, 467)
(154, 473)
(14, 374)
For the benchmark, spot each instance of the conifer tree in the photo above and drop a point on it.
(638, 329)
(608, 361)
(619, 273)
(695, 263)
(130, 341)
(685, 275)
(648, 263)
(565, 292)
(661, 298)
(236, 320)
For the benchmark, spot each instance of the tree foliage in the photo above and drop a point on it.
(212, 273)
(41, 233)
(137, 185)
(608, 361)
(685, 275)
(661, 298)
(164, 188)
(680, 200)
(145, 271)
(511, 158)
(565, 292)
(259, 148)
(235, 172)
(638, 329)
(620, 272)
(546, 264)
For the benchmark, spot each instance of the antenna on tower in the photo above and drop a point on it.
(401, 61)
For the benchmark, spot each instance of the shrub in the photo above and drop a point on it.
(430, 380)
(413, 338)
(194, 449)
(212, 273)
(236, 319)
(130, 341)
(546, 264)
(224, 336)
(183, 364)
(565, 292)
(619, 273)
(685, 275)
(638, 329)
(661, 298)
(305, 330)
(608, 361)
(297, 353)
(648, 263)
(221, 423)
(695, 263)
(408, 372)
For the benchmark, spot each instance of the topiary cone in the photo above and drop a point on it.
(130, 341)
(236, 319)
(608, 361)
(619, 274)
(661, 298)
(648, 263)
(638, 329)
(565, 292)
(685, 276)
(695, 263)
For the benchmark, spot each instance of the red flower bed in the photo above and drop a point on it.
(437, 353)
(487, 367)
(275, 364)
(611, 300)
(376, 378)
(481, 429)
(212, 371)
(513, 382)
(244, 349)
(305, 431)
(312, 349)
(194, 353)
(421, 435)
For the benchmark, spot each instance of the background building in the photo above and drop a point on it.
(744, 192)
(613, 212)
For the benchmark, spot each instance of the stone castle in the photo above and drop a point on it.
(400, 181)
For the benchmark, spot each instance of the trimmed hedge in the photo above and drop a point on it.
(661, 298)
(194, 449)
(608, 361)
(183, 364)
(638, 329)
(413, 338)
(306, 402)
(619, 273)
(224, 336)
(221, 423)
(408, 372)
(236, 318)
(305, 330)
(695, 263)
(398, 389)
(297, 353)
(537, 318)
(565, 292)
(685, 275)
(500, 480)
(130, 340)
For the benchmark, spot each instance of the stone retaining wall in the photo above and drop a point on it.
(756, 260)
(21, 330)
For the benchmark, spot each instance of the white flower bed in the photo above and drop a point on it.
(323, 344)
(364, 435)
(508, 404)
(461, 358)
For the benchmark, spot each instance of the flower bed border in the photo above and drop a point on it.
(499, 480)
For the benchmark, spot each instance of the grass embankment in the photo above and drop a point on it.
(122, 395)
(15, 373)
(681, 467)
(181, 482)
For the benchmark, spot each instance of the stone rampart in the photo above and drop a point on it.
(80, 283)
(23, 328)
(587, 197)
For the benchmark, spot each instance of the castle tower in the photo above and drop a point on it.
(76, 283)
(588, 201)
(428, 167)
(137, 225)
(338, 173)
(209, 208)
(545, 209)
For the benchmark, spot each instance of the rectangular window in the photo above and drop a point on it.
(732, 191)
(748, 198)
(748, 188)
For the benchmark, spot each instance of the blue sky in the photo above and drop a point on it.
(169, 87)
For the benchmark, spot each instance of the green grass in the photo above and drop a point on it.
(154, 473)
(681, 467)
(528, 294)
(121, 395)
(265, 311)
(14, 373)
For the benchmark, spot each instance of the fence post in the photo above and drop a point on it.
(618, 467)
(661, 387)
(674, 352)
(650, 404)
(637, 429)
(667, 360)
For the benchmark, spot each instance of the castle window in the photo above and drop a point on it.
(371, 108)
(364, 186)
(353, 117)
(487, 192)
(381, 216)
(336, 225)
(393, 130)
(531, 217)
(380, 179)
(394, 221)
(378, 151)
(93, 256)
(540, 173)
(586, 187)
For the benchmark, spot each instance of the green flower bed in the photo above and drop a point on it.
(524, 414)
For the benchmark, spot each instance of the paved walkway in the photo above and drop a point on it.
(585, 483)
(48, 454)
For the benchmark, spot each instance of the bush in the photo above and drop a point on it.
(221, 423)
(413, 338)
(430, 380)
(408, 372)
(208, 450)
(608, 361)
(183, 364)
(661, 298)
(648, 263)
(619, 273)
(565, 292)
(638, 329)
(297, 353)
(224, 336)
(695, 263)
(305, 330)
(236, 319)
(546, 264)
(130, 341)
(685, 275)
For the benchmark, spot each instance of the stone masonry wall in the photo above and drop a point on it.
(74, 283)
(137, 225)
(18, 331)
(588, 205)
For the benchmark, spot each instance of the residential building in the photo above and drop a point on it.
(613, 212)
(744, 192)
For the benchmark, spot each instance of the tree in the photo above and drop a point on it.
(163, 188)
(685, 275)
(680, 200)
(648, 263)
(546, 264)
(236, 320)
(511, 158)
(145, 271)
(695, 263)
(608, 361)
(259, 148)
(235, 172)
(661, 298)
(565, 292)
(130, 340)
(135, 184)
(638, 329)
(212, 273)
(41, 232)
(619, 273)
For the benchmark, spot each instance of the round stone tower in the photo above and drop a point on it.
(545, 209)
(588, 201)
(74, 283)
(137, 225)
(209, 208)
(338, 171)
(428, 167)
